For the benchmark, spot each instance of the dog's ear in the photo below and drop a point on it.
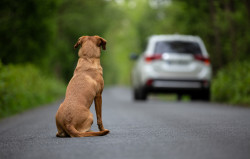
(79, 42)
(102, 42)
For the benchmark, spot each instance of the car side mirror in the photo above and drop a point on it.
(133, 56)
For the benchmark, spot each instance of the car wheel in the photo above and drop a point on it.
(135, 94)
(202, 95)
(206, 95)
(140, 94)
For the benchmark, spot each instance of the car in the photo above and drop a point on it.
(177, 64)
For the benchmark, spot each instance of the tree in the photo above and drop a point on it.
(27, 29)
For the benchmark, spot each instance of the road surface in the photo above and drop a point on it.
(141, 130)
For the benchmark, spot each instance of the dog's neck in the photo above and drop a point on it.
(86, 63)
(91, 60)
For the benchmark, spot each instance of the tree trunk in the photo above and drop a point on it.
(229, 5)
(216, 35)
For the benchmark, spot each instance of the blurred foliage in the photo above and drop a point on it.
(76, 18)
(23, 87)
(232, 84)
(223, 25)
(44, 32)
(27, 30)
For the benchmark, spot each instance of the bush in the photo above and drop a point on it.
(232, 84)
(23, 87)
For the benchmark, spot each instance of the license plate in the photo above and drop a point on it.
(177, 62)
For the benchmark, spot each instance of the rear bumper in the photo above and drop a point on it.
(176, 86)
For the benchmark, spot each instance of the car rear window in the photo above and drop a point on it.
(177, 47)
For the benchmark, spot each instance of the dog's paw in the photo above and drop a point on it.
(61, 134)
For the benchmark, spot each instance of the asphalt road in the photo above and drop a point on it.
(148, 130)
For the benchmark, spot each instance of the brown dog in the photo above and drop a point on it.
(73, 117)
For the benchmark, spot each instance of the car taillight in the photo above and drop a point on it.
(203, 59)
(149, 82)
(205, 83)
(153, 57)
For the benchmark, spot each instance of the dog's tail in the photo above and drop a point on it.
(75, 133)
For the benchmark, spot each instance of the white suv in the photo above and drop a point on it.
(173, 64)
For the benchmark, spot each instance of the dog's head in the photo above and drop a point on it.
(97, 40)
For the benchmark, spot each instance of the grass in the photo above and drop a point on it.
(170, 97)
(23, 87)
(232, 84)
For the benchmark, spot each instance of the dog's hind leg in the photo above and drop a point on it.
(61, 133)
(86, 126)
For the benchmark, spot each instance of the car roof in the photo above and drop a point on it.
(174, 37)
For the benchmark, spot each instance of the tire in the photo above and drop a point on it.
(135, 94)
(139, 94)
(206, 95)
(202, 95)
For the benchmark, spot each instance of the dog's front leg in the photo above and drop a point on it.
(98, 109)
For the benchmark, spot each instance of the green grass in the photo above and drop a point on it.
(23, 87)
(232, 84)
(170, 97)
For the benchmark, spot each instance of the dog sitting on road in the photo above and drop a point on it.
(73, 117)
